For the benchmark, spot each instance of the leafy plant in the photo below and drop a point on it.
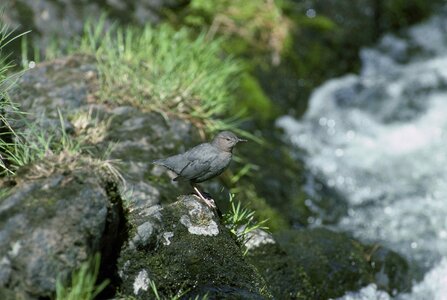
(241, 221)
(83, 282)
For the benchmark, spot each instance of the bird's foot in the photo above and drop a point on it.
(208, 201)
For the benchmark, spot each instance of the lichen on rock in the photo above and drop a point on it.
(199, 220)
(141, 282)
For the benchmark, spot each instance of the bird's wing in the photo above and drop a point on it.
(199, 161)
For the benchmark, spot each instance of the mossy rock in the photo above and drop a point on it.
(334, 262)
(183, 248)
(286, 278)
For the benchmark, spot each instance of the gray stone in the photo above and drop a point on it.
(257, 238)
(48, 227)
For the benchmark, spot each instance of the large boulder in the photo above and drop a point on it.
(334, 262)
(49, 225)
(285, 276)
(183, 248)
(320, 264)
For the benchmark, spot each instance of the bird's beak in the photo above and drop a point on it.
(241, 140)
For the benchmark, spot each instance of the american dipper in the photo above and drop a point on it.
(203, 162)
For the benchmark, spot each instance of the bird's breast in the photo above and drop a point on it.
(223, 159)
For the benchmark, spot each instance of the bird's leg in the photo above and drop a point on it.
(209, 203)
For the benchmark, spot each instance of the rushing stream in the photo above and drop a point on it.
(379, 139)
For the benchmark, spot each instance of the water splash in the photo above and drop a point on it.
(379, 140)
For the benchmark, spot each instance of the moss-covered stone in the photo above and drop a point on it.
(285, 276)
(334, 263)
(183, 248)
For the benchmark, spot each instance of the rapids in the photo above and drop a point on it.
(379, 140)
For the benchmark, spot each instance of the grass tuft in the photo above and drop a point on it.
(83, 282)
(241, 221)
(160, 69)
(46, 150)
(7, 81)
(90, 127)
(35, 143)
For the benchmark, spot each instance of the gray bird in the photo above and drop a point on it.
(203, 162)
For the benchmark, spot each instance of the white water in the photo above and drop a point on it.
(380, 140)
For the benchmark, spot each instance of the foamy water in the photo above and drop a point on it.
(380, 140)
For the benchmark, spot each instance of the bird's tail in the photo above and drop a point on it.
(158, 162)
(162, 162)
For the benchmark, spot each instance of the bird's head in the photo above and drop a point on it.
(226, 140)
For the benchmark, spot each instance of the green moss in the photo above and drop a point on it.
(333, 262)
(285, 277)
(297, 211)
